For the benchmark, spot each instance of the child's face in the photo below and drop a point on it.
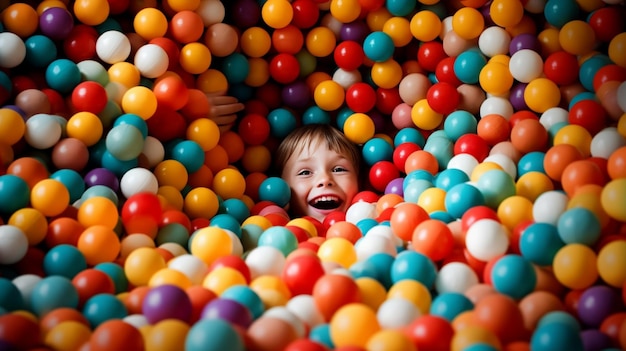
(321, 181)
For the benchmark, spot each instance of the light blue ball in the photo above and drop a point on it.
(280, 238)
(378, 46)
(459, 123)
(556, 337)
(448, 305)
(62, 75)
(468, 64)
(40, 51)
(213, 335)
(235, 67)
(375, 150)
(409, 135)
(125, 142)
(415, 266)
(53, 292)
(134, 120)
(276, 190)
(531, 162)
(315, 115)
(514, 276)
(282, 122)
(226, 221)
(461, 197)
(400, 7)
(64, 260)
(189, 153)
(579, 225)
(103, 307)
(496, 185)
(14, 188)
(72, 180)
(247, 297)
(236, 208)
(116, 273)
(448, 178)
(540, 242)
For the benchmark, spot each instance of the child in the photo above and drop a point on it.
(321, 167)
(224, 109)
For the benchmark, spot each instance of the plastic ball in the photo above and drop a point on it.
(575, 266)
(40, 50)
(113, 47)
(53, 292)
(166, 302)
(468, 23)
(14, 50)
(541, 94)
(506, 274)
(213, 334)
(276, 190)
(352, 325)
(455, 277)
(329, 95)
(607, 257)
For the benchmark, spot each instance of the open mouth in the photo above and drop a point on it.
(326, 202)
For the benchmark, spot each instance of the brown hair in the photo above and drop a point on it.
(317, 133)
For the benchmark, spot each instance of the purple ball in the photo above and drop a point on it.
(524, 41)
(56, 23)
(595, 340)
(596, 303)
(228, 310)
(296, 94)
(355, 31)
(246, 13)
(516, 97)
(395, 187)
(102, 176)
(166, 302)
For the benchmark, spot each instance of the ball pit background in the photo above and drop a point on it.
(494, 141)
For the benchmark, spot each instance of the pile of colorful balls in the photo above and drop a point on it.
(134, 218)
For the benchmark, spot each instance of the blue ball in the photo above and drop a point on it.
(117, 166)
(415, 266)
(589, 68)
(321, 334)
(64, 260)
(382, 263)
(448, 305)
(448, 178)
(63, 75)
(496, 185)
(133, 120)
(40, 51)
(559, 12)
(560, 317)
(409, 135)
(213, 335)
(53, 292)
(125, 142)
(556, 337)
(459, 123)
(362, 269)
(226, 221)
(116, 273)
(315, 115)
(236, 208)
(342, 116)
(247, 297)
(14, 188)
(366, 224)
(375, 150)
(100, 190)
(276, 190)
(72, 180)
(419, 174)
(461, 198)
(103, 307)
(282, 122)
(235, 67)
(172, 233)
(400, 7)
(579, 225)
(540, 242)
(468, 64)
(531, 162)
(480, 347)
(442, 216)
(378, 46)
(414, 189)
(11, 298)
(189, 153)
(442, 148)
(513, 275)
(280, 238)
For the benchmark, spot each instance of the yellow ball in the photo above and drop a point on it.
(542, 94)
(575, 266)
(320, 41)
(12, 126)
(205, 132)
(345, 11)
(169, 276)
(141, 264)
(399, 29)
(98, 210)
(195, 58)
(387, 74)
(277, 13)
(474, 335)
(353, 325)
(50, 197)
(424, 117)
(329, 95)
(210, 243)
(124, 73)
(337, 250)
(468, 23)
(150, 23)
(86, 127)
(91, 12)
(514, 210)
(425, 26)
(67, 335)
(32, 222)
(372, 292)
(532, 184)
(201, 202)
(574, 135)
(612, 199)
(495, 78)
(259, 72)
(389, 339)
(432, 200)
(413, 291)
(506, 13)
(359, 128)
(305, 224)
(255, 42)
(229, 183)
(222, 278)
(617, 49)
(272, 290)
(168, 334)
(612, 263)
(139, 100)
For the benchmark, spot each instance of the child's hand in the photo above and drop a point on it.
(224, 109)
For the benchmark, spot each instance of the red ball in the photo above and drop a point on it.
(91, 282)
(166, 124)
(472, 144)
(443, 97)
(171, 92)
(475, 214)
(445, 72)
(360, 97)
(561, 67)
(89, 96)
(607, 22)
(334, 217)
(429, 332)
(288, 40)
(367, 196)
(235, 262)
(387, 100)
(301, 273)
(349, 55)
(401, 152)
(305, 13)
(589, 114)
(254, 129)
(381, 173)
(284, 68)
(80, 43)
(171, 49)
(371, 5)
(430, 54)
(141, 212)
(608, 73)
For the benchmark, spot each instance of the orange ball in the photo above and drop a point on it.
(421, 160)
(405, 219)
(616, 165)
(558, 157)
(99, 244)
(529, 135)
(20, 19)
(537, 304)
(186, 26)
(580, 173)
(332, 291)
(501, 315)
(433, 238)
(346, 230)
(493, 129)
(30, 169)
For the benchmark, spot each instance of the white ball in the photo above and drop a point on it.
(91, 70)
(463, 162)
(329, 21)
(621, 96)
(25, 284)
(346, 78)
(113, 46)
(12, 50)
(136, 320)
(372, 244)
(138, 180)
(526, 65)
(486, 239)
(43, 131)
(115, 92)
(505, 162)
(446, 26)
(151, 60)
(305, 308)
(153, 150)
(606, 142)
(211, 12)
(396, 312)
(265, 260)
(386, 231)
(494, 41)
(360, 210)
(287, 315)
(455, 277)
(13, 244)
(191, 266)
(553, 116)
(549, 206)
(237, 248)
(498, 106)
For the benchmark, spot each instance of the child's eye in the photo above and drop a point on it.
(339, 169)
(304, 172)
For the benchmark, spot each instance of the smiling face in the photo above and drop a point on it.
(322, 180)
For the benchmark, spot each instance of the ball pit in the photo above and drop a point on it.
(134, 216)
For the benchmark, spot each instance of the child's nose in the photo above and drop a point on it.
(325, 179)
